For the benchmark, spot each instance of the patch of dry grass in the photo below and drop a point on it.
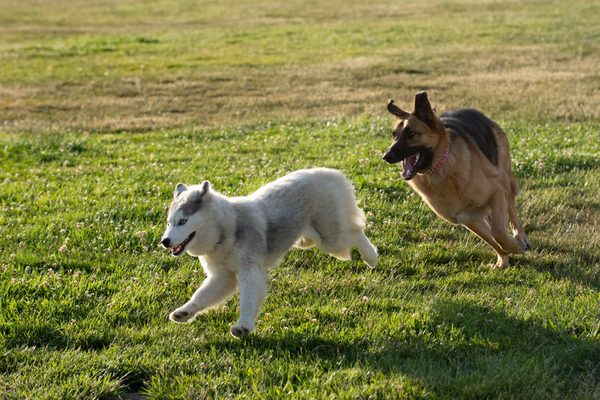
(126, 66)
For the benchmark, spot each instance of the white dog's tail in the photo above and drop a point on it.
(367, 251)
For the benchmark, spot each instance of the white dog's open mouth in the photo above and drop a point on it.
(177, 250)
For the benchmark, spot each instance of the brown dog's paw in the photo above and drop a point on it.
(525, 244)
(239, 332)
(502, 262)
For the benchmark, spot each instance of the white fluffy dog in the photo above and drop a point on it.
(238, 239)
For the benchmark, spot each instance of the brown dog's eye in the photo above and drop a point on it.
(410, 134)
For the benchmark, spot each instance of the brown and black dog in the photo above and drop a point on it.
(459, 164)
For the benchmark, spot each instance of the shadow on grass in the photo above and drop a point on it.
(463, 350)
(460, 350)
(46, 335)
(562, 261)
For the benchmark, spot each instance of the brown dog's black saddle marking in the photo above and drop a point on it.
(472, 125)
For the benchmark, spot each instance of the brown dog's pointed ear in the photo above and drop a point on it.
(423, 109)
(397, 111)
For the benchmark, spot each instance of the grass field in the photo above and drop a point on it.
(105, 105)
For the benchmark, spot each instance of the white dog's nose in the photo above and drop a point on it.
(165, 242)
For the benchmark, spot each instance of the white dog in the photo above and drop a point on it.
(238, 239)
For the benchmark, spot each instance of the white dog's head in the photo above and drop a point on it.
(192, 222)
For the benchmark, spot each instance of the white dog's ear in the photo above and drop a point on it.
(205, 187)
(179, 189)
(202, 194)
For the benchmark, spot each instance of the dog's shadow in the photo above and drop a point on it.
(579, 264)
(460, 341)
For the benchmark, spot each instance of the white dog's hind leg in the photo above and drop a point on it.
(344, 255)
(304, 243)
(366, 249)
(309, 238)
(214, 290)
(253, 289)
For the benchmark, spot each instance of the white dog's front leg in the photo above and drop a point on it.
(253, 289)
(215, 289)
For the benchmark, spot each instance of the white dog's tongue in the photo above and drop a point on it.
(408, 167)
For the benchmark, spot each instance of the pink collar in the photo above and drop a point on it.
(441, 162)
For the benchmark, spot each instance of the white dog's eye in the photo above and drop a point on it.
(182, 221)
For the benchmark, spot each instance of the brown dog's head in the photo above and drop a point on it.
(416, 137)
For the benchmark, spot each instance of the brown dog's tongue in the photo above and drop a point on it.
(408, 167)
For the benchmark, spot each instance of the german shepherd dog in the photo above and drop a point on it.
(459, 164)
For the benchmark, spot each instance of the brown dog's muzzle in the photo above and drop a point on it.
(390, 156)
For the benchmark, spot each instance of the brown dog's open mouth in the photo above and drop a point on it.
(177, 250)
(413, 164)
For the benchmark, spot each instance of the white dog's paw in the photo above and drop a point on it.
(180, 315)
(239, 332)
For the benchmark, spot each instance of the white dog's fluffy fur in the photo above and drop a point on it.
(238, 239)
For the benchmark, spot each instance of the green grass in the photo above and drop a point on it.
(92, 145)
(432, 320)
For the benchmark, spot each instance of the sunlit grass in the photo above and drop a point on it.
(105, 106)
(86, 291)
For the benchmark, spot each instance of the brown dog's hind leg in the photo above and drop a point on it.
(500, 208)
(483, 230)
(518, 230)
(515, 222)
